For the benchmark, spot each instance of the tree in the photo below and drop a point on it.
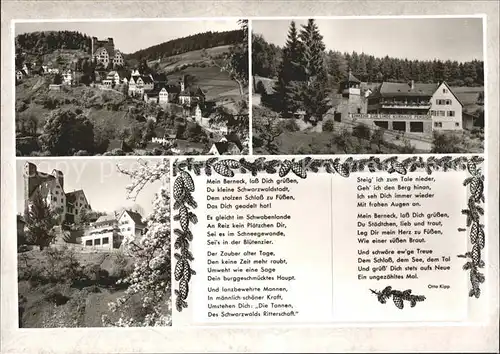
(290, 72)
(377, 138)
(40, 220)
(57, 79)
(150, 279)
(66, 132)
(267, 128)
(315, 93)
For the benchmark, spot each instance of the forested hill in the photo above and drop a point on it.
(187, 44)
(266, 60)
(48, 41)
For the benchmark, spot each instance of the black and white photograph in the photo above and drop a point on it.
(113, 88)
(89, 258)
(368, 85)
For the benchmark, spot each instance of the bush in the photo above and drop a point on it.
(361, 131)
(328, 126)
(291, 125)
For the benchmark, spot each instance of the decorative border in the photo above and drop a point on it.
(184, 202)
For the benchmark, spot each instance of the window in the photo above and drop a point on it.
(445, 90)
(62, 200)
(442, 113)
(128, 228)
(88, 243)
(105, 240)
(97, 242)
(57, 192)
(451, 113)
(54, 199)
(417, 127)
(76, 211)
(400, 126)
(457, 124)
(448, 102)
(438, 125)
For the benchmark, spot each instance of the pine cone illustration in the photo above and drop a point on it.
(476, 254)
(474, 230)
(399, 168)
(342, 169)
(231, 163)
(285, 168)
(471, 166)
(178, 188)
(179, 269)
(186, 274)
(183, 289)
(480, 237)
(398, 301)
(223, 170)
(184, 218)
(208, 170)
(298, 170)
(187, 180)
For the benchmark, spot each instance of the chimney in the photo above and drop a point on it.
(412, 84)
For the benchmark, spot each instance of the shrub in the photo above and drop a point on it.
(361, 131)
(328, 126)
(291, 125)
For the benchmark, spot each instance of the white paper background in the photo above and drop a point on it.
(276, 339)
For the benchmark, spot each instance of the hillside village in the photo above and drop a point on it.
(399, 106)
(155, 113)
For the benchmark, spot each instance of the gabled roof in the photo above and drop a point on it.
(105, 218)
(71, 197)
(146, 79)
(352, 78)
(224, 146)
(453, 93)
(192, 92)
(160, 77)
(392, 89)
(135, 216)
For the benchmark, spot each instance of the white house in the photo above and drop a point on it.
(103, 233)
(67, 78)
(131, 225)
(163, 96)
(19, 75)
(446, 109)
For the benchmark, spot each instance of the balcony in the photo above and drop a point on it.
(406, 105)
(355, 116)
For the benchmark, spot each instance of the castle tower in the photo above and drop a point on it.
(30, 173)
(60, 177)
(182, 83)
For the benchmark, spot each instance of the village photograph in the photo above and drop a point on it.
(368, 86)
(131, 88)
(93, 241)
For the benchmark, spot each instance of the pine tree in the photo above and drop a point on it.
(314, 93)
(40, 220)
(313, 50)
(290, 71)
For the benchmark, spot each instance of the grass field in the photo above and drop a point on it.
(195, 56)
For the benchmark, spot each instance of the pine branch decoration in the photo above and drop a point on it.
(473, 214)
(398, 297)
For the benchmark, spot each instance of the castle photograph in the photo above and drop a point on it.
(363, 86)
(82, 228)
(131, 88)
